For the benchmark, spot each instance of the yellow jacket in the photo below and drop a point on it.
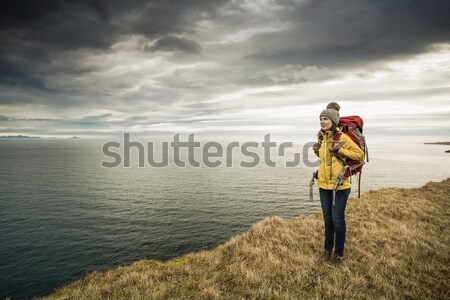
(331, 164)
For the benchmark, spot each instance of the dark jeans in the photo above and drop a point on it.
(334, 217)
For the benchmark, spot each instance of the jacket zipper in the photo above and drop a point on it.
(331, 167)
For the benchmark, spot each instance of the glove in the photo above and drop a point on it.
(316, 147)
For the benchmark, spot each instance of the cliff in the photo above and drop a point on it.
(398, 246)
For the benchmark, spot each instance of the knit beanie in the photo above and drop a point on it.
(332, 112)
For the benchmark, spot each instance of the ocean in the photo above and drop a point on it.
(63, 215)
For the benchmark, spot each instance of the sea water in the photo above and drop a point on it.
(62, 215)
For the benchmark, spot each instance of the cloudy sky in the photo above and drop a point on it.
(97, 68)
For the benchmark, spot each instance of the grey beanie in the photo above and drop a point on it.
(332, 112)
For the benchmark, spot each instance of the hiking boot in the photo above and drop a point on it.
(325, 256)
(336, 259)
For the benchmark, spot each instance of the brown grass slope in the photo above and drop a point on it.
(398, 246)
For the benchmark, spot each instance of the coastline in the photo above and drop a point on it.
(439, 143)
(397, 247)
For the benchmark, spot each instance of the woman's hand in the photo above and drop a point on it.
(316, 147)
(336, 147)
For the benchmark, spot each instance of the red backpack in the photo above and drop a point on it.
(353, 127)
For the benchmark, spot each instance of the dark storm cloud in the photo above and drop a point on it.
(25, 13)
(322, 33)
(100, 8)
(48, 27)
(352, 32)
(31, 31)
(80, 35)
(14, 71)
(51, 25)
(159, 18)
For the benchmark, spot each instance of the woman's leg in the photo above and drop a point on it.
(338, 216)
(325, 201)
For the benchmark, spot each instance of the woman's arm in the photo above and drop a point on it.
(350, 149)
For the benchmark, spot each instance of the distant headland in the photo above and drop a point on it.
(438, 143)
(35, 137)
(19, 137)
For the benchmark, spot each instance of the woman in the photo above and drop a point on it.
(330, 166)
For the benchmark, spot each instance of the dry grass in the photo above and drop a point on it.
(398, 246)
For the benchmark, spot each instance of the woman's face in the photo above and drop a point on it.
(325, 123)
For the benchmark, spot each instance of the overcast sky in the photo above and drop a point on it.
(225, 68)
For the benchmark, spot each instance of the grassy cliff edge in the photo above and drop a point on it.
(398, 246)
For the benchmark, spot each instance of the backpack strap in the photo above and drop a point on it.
(367, 150)
(359, 185)
(341, 176)
(339, 180)
(336, 139)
